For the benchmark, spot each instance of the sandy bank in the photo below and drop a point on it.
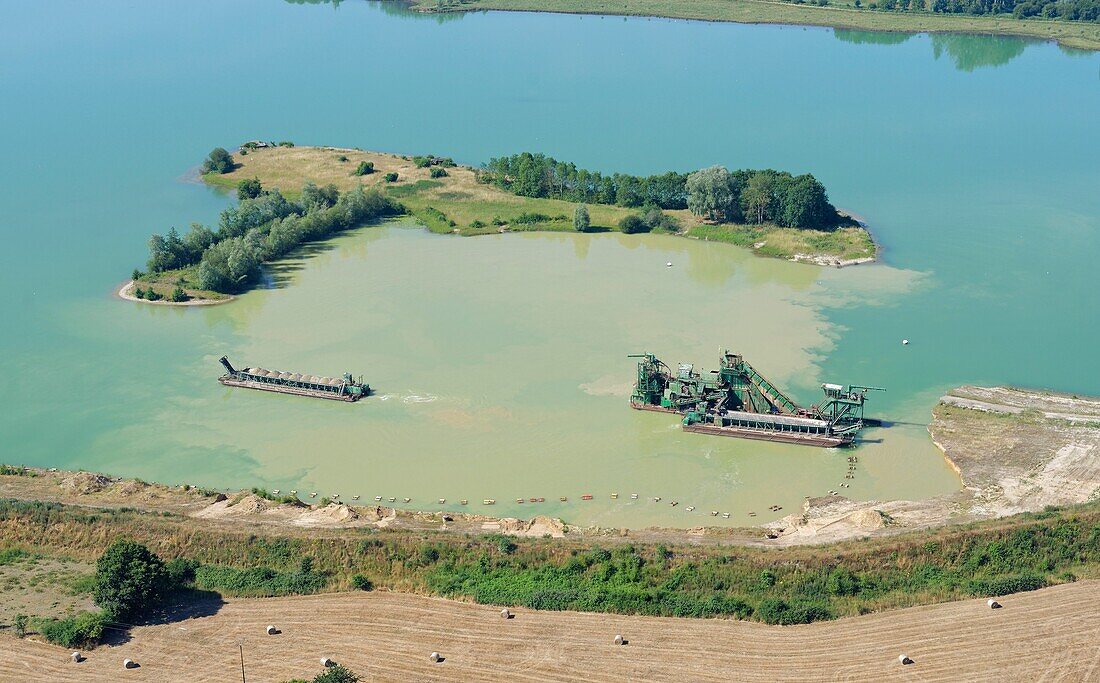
(1016, 451)
(126, 292)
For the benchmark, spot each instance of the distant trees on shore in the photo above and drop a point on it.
(715, 194)
(259, 229)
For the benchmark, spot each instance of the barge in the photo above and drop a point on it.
(738, 401)
(337, 389)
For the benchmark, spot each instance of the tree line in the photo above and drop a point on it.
(1065, 10)
(715, 193)
(264, 226)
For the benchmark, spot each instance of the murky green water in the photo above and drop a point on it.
(500, 361)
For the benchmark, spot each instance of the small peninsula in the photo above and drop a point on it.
(290, 195)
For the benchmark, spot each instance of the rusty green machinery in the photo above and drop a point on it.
(736, 400)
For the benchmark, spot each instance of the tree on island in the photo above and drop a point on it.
(249, 188)
(713, 193)
(581, 220)
(218, 161)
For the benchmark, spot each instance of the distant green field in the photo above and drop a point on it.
(839, 14)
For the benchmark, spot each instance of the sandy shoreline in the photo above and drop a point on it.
(125, 292)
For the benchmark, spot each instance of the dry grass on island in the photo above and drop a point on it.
(458, 203)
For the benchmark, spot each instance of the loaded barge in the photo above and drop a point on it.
(738, 401)
(338, 389)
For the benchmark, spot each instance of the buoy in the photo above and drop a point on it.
(505, 614)
(904, 659)
(619, 640)
(434, 657)
(993, 604)
(129, 664)
(905, 342)
(77, 657)
(668, 265)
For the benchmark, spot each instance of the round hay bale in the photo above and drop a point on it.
(271, 630)
(434, 657)
(993, 604)
(77, 657)
(619, 640)
(326, 662)
(904, 659)
(505, 614)
(129, 664)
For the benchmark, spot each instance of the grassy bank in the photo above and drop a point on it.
(838, 14)
(613, 575)
(457, 203)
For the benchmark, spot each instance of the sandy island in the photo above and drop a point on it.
(126, 292)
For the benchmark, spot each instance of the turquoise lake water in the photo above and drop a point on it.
(976, 161)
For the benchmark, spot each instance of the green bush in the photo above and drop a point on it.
(361, 583)
(422, 161)
(438, 173)
(249, 188)
(342, 158)
(129, 580)
(178, 295)
(218, 161)
(391, 177)
(364, 168)
(527, 218)
(19, 625)
(83, 630)
(581, 220)
(258, 581)
(632, 224)
(336, 674)
(286, 143)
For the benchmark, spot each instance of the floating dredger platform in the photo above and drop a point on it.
(341, 389)
(736, 400)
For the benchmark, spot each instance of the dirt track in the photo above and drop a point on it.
(1048, 635)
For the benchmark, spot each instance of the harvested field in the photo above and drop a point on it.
(1047, 635)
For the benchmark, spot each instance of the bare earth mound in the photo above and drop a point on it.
(1047, 635)
(1016, 451)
